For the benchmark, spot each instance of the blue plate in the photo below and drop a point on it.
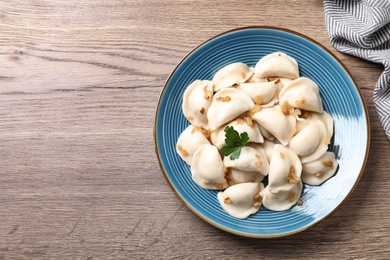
(341, 99)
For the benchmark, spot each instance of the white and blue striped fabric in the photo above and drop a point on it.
(362, 28)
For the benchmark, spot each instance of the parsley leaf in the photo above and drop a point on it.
(234, 142)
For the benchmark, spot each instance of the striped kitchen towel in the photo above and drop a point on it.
(362, 28)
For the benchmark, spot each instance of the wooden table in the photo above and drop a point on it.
(79, 178)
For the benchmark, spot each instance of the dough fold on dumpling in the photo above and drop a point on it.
(304, 118)
(284, 183)
(311, 142)
(254, 79)
(285, 166)
(207, 168)
(266, 134)
(250, 159)
(320, 170)
(189, 141)
(241, 200)
(232, 74)
(302, 93)
(277, 64)
(226, 105)
(262, 93)
(196, 101)
(282, 197)
(279, 124)
(235, 176)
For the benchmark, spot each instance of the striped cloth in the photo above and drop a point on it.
(362, 28)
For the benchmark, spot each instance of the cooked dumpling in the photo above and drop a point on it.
(277, 64)
(235, 176)
(240, 125)
(207, 168)
(241, 200)
(302, 93)
(262, 93)
(226, 105)
(234, 73)
(325, 118)
(196, 101)
(282, 197)
(189, 141)
(305, 117)
(320, 170)
(284, 182)
(279, 124)
(311, 142)
(251, 159)
(285, 167)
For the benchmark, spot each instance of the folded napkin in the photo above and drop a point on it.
(362, 28)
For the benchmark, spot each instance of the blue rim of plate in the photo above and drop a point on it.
(341, 97)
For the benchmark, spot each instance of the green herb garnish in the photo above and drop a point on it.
(234, 142)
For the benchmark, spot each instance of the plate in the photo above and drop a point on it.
(341, 99)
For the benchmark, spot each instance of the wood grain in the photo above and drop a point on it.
(79, 178)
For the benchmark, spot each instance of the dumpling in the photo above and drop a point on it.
(226, 105)
(311, 142)
(196, 101)
(279, 124)
(284, 183)
(234, 73)
(251, 159)
(262, 93)
(304, 118)
(189, 141)
(235, 176)
(285, 167)
(325, 118)
(240, 125)
(282, 197)
(241, 200)
(207, 168)
(320, 170)
(302, 93)
(277, 64)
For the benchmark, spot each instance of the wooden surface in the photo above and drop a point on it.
(79, 178)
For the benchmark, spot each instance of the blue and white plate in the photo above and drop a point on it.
(341, 99)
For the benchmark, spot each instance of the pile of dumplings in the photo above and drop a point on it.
(288, 130)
